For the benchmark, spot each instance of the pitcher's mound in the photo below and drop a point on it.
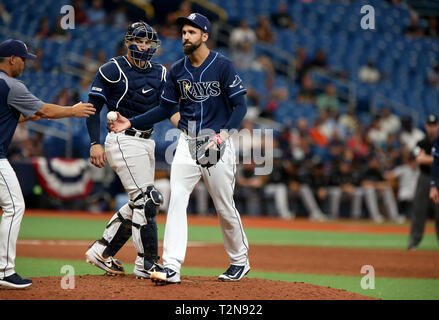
(191, 288)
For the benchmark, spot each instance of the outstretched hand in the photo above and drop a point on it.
(83, 110)
(120, 124)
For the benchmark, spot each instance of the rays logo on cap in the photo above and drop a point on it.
(192, 16)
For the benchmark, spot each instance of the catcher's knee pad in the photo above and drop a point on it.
(116, 234)
(155, 195)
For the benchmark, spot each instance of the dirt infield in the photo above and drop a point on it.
(291, 259)
(191, 288)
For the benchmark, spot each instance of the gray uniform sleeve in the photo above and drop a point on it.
(21, 99)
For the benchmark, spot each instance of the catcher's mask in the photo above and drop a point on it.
(141, 30)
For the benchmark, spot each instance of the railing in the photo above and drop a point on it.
(402, 108)
(50, 131)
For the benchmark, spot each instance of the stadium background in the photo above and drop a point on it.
(288, 70)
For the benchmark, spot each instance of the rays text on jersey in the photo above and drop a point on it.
(198, 91)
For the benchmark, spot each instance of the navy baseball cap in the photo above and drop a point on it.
(17, 48)
(197, 20)
(432, 119)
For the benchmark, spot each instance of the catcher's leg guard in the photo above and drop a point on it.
(117, 232)
(145, 230)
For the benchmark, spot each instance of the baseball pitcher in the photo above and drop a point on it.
(130, 85)
(210, 95)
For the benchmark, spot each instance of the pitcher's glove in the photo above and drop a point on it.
(210, 152)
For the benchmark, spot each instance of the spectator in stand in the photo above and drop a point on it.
(344, 186)
(43, 31)
(410, 136)
(390, 122)
(242, 40)
(273, 95)
(59, 33)
(319, 61)
(277, 185)
(407, 175)
(264, 32)
(328, 99)
(359, 144)
(241, 34)
(369, 73)
(414, 30)
(282, 18)
(433, 76)
(80, 12)
(119, 18)
(376, 134)
(250, 188)
(300, 140)
(433, 27)
(349, 120)
(96, 14)
(84, 88)
(313, 189)
(374, 185)
(5, 17)
(308, 92)
(40, 64)
(89, 65)
(298, 64)
(171, 29)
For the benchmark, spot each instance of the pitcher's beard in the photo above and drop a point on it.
(188, 50)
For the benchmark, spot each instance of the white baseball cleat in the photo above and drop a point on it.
(165, 276)
(111, 265)
(234, 273)
(143, 273)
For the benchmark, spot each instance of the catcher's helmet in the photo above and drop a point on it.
(142, 30)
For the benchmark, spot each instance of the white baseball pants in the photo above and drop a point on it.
(220, 182)
(12, 203)
(133, 159)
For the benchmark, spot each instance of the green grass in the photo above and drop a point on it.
(385, 288)
(75, 228)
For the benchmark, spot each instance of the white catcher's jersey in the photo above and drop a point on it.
(220, 182)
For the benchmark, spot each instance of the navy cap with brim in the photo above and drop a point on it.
(17, 48)
(197, 22)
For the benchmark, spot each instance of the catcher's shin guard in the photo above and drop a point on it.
(122, 229)
(148, 233)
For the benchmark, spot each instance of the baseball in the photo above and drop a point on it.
(112, 116)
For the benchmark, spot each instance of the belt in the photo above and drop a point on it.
(139, 134)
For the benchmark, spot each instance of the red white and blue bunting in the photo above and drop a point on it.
(66, 179)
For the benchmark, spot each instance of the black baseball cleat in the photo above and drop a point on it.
(15, 281)
(234, 273)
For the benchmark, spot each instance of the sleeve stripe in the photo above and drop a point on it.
(168, 100)
(164, 74)
(232, 95)
(97, 94)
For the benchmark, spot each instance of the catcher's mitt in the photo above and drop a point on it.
(207, 158)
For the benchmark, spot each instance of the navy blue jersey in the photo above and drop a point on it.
(203, 92)
(128, 89)
(15, 99)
